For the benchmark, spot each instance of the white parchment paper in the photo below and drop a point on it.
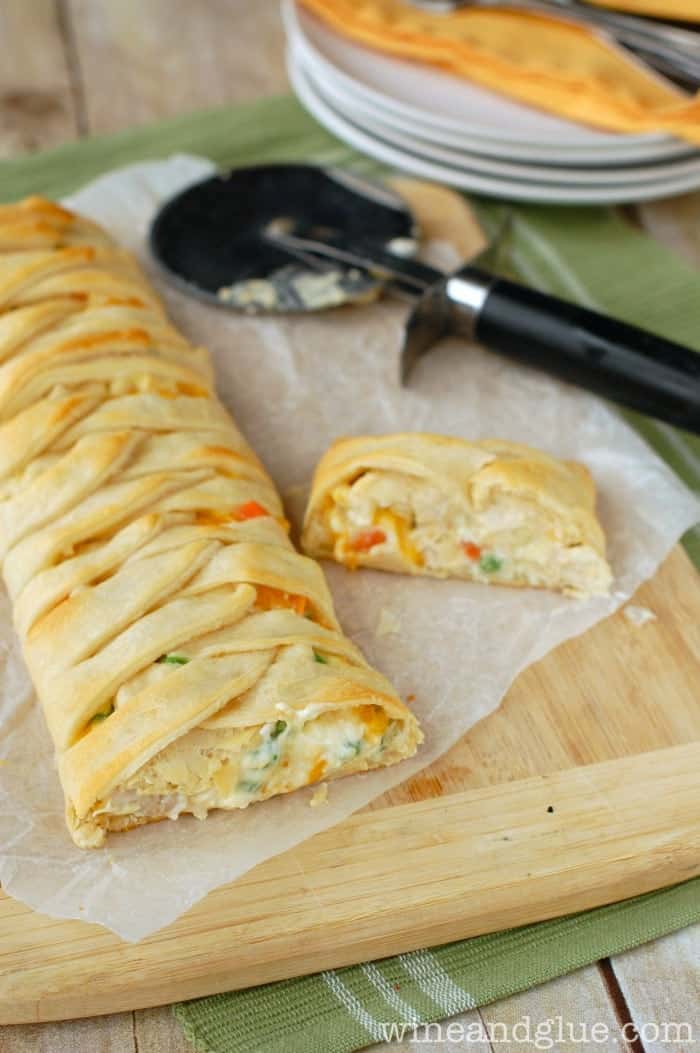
(293, 386)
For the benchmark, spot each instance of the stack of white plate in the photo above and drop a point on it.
(444, 128)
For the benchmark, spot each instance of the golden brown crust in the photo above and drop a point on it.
(468, 479)
(137, 523)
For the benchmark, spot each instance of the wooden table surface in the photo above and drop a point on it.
(72, 68)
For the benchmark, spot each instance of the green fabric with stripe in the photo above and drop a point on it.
(591, 256)
(346, 1009)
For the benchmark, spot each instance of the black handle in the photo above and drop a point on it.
(619, 361)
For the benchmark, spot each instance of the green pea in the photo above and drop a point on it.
(279, 727)
(99, 717)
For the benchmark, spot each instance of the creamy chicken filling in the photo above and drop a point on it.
(233, 767)
(380, 520)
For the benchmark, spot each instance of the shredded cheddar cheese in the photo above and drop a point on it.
(193, 391)
(318, 769)
(402, 532)
(374, 718)
(250, 510)
(207, 517)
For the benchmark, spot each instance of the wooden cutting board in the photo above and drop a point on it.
(582, 789)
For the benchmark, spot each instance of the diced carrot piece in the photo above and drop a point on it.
(297, 603)
(250, 510)
(471, 551)
(367, 539)
(271, 599)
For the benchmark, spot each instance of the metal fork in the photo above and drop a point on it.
(668, 49)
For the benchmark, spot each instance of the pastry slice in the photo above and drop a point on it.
(489, 511)
(186, 656)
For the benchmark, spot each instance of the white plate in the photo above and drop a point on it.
(470, 116)
(368, 119)
(462, 177)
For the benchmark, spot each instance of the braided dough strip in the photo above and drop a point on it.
(185, 655)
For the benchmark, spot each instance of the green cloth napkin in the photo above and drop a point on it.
(591, 256)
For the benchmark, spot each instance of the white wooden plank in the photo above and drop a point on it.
(141, 60)
(660, 982)
(107, 1034)
(36, 103)
(157, 1031)
(572, 1012)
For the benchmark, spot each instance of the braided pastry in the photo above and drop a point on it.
(185, 655)
(490, 511)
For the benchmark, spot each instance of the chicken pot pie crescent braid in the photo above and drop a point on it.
(185, 655)
(490, 511)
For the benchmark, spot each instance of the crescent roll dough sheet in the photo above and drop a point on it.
(489, 511)
(186, 657)
(554, 64)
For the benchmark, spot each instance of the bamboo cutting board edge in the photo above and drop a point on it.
(602, 842)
